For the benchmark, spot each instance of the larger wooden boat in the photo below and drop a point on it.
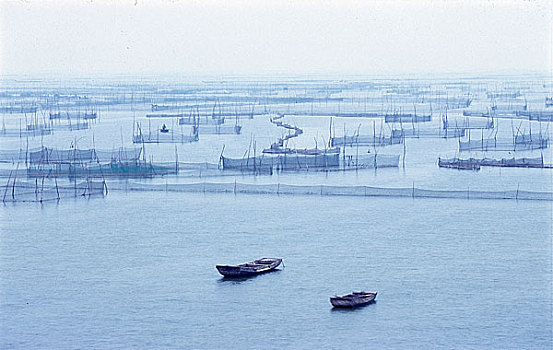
(249, 269)
(353, 300)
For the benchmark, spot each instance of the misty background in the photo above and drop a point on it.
(87, 38)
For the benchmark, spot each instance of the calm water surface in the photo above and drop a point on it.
(137, 270)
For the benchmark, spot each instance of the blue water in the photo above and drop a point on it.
(137, 270)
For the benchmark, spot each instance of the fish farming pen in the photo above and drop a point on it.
(284, 162)
(166, 115)
(193, 107)
(47, 155)
(407, 118)
(157, 108)
(164, 135)
(277, 148)
(308, 162)
(17, 156)
(69, 126)
(217, 129)
(511, 108)
(60, 115)
(57, 121)
(229, 115)
(359, 115)
(428, 134)
(468, 113)
(519, 143)
(18, 109)
(327, 159)
(86, 163)
(467, 124)
(55, 116)
(254, 165)
(41, 190)
(201, 121)
(370, 161)
(362, 140)
(206, 110)
(198, 104)
(119, 169)
(504, 95)
(209, 125)
(299, 106)
(124, 162)
(476, 163)
(25, 133)
(509, 111)
(90, 115)
(342, 191)
(356, 140)
(545, 116)
(459, 164)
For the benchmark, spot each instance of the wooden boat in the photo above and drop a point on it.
(353, 300)
(249, 269)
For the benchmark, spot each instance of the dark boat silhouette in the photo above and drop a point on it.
(352, 300)
(252, 268)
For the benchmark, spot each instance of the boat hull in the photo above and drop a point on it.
(353, 300)
(249, 269)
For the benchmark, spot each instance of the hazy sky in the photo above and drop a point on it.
(83, 38)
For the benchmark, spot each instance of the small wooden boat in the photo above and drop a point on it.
(249, 269)
(353, 300)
